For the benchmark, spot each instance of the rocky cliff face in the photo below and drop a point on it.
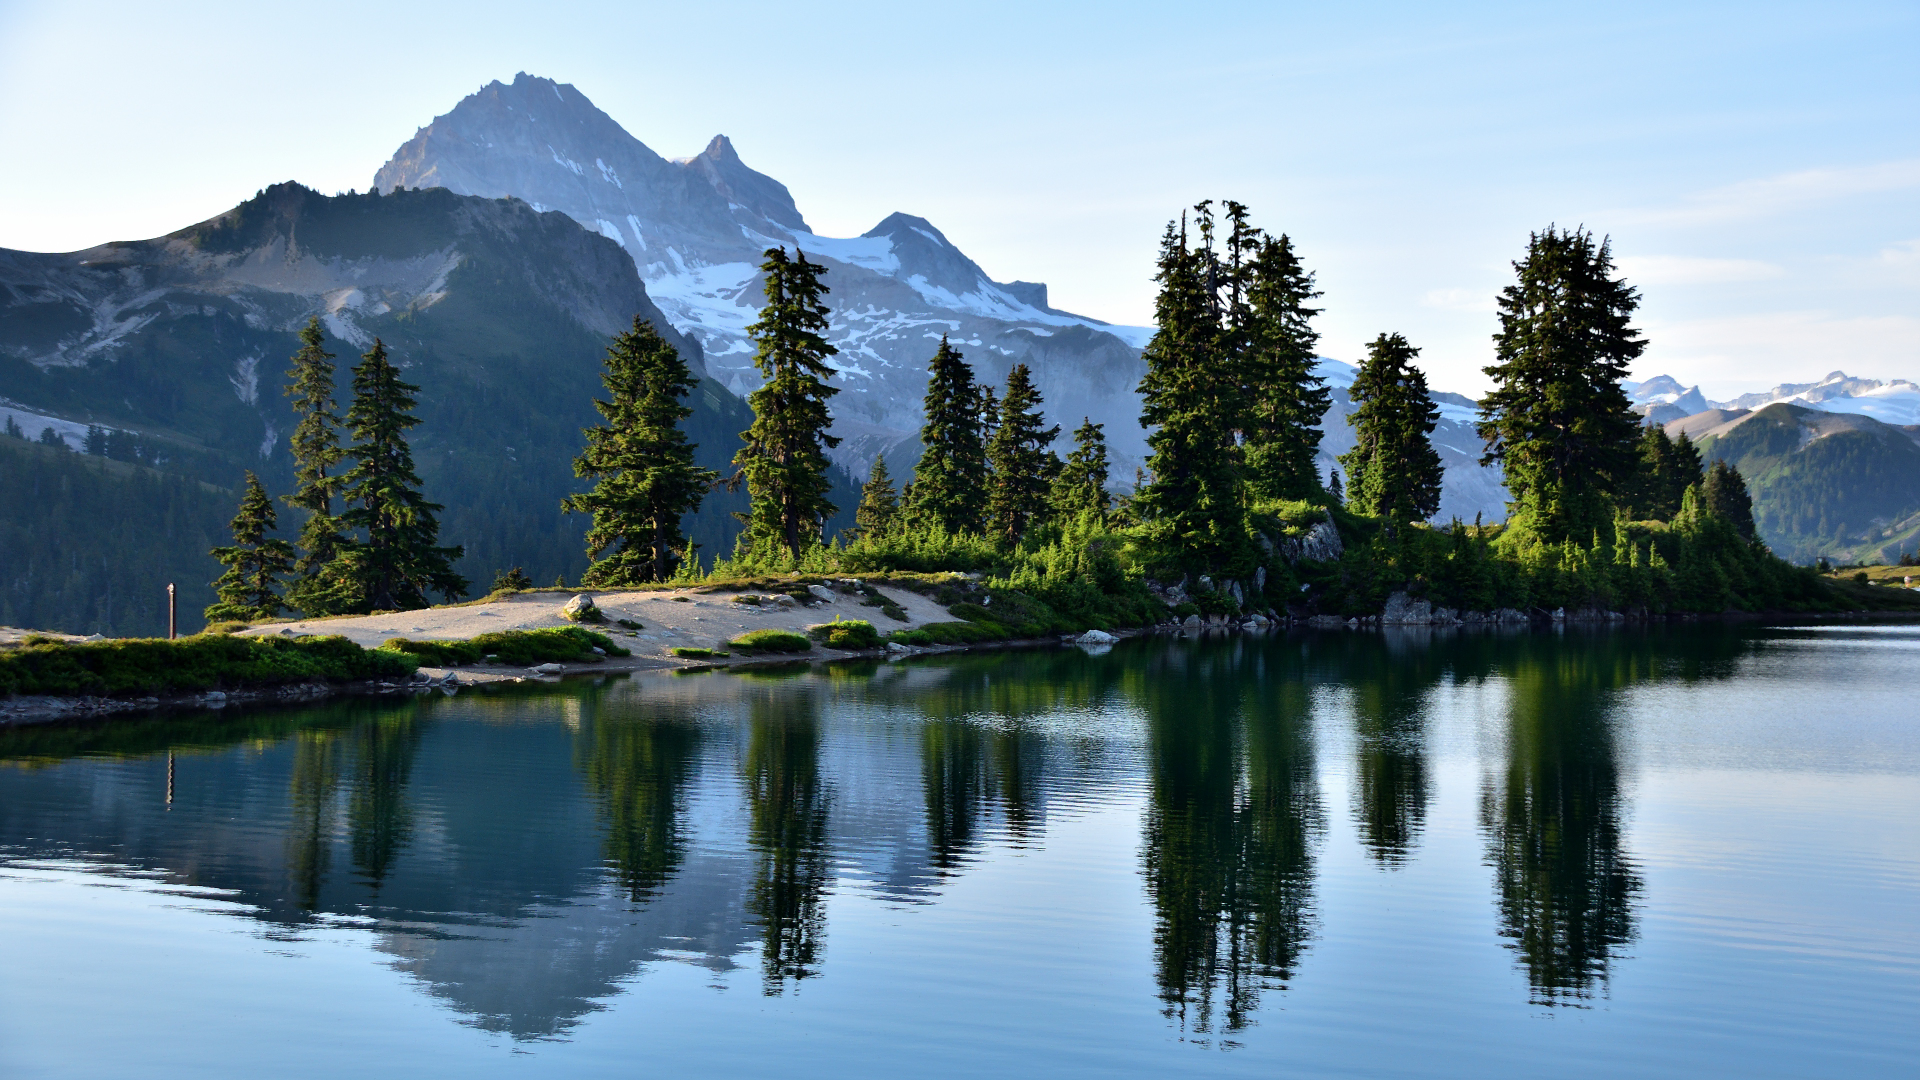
(696, 228)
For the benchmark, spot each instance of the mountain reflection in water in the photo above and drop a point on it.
(524, 854)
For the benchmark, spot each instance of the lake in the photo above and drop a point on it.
(1685, 852)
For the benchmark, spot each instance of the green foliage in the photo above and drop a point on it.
(315, 445)
(770, 641)
(1285, 399)
(1020, 467)
(1557, 420)
(784, 462)
(1080, 486)
(924, 548)
(879, 507)
(845, 634)
(256, 563)
(514, 580)
(1666, 469)
(645, 479)
(690, 652)
(204, 662)
(399, 559)
(512, 648)
(1393, 470)
(1724, 495)
(88, 545)
(949, 488)
(952, 633)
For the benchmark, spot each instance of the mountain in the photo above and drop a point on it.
(1662, 399)
(500, 312)
(1896, 401)
(1836, 484)
(696, 228)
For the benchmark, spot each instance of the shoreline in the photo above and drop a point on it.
(28, 710)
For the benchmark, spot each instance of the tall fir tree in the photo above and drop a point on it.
(1020, 466)
(316, 454)
(641, 464)
(879, 507)
(1393, 471)
(1081, 486)
(256, 563)
(949, 487)
(1557, 420)
(784, 462)
(1724, 494)
(1194, 504)
(399, 560)
(1284, 398)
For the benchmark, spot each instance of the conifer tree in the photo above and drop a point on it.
(1724, 495)
(399, 561)
(1393, 471)
(1335, 493)
(1195, 504)
(1285, 399)
(1557, 420)
(256, 563)
(1081, 487)
(641, 463)
(949, 487)
(785, 462)
(316, 452)
(1020, 465)
(879, 504)
(1667, 467)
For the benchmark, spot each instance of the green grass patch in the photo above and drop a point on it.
(770, 641)
(202, 662)
(512, 648)
(688, 652)
(845, 634)
(952, 633)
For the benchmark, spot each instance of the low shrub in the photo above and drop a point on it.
(952, 633)
(514, 648)
(779, 641)
(688, 652)
(845, 634)
(202, 662)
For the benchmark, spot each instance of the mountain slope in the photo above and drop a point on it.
(1833, 484)
(500, 312)
(696, 228)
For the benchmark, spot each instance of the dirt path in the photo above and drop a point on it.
(681, 618)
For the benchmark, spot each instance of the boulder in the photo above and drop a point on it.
(1096, 637)
(581, 609)
(782, 600)
(1327, 622)
(821, 593)
(1320, 544)
(547, 669)
(1402, 610)
(1191, 623)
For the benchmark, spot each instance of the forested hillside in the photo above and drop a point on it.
(88, 545)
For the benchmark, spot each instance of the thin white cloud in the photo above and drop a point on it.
(1774, 194)
(1745, 353)
(1460, 299)
(1689, 270)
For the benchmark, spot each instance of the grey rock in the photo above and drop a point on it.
(1401, 610)
(1191, 622)
(580, 607)
(546, 669)
(821, 593)
(1320, 544)
(1260, 578)
(1096, 637)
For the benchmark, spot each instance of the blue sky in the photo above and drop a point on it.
(1758, 166)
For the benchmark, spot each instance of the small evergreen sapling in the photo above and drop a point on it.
(1081, 487)
(879, 504)
(256, 563)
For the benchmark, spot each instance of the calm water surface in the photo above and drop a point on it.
(1674, 853)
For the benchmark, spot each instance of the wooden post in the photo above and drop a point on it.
(169, 777)
(173, 612)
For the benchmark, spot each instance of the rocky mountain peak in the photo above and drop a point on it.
(721, 166)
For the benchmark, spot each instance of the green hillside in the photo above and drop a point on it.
(1826, 484)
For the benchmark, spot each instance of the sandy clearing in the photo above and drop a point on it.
(682, 618)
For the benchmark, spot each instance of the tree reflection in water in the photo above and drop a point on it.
(1564, 886)
(639, 768)
(1391, 676)
(787, 830)
(1230, 828)
(312, 797)
(379, 814)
